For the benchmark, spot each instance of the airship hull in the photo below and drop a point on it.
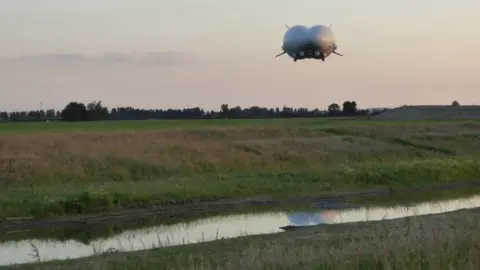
(301, 42)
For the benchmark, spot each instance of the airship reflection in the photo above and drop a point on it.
(311, 218)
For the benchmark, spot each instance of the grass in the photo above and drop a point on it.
(76, 198)
(408, 199)
(441, 241)
(136, 125)
(430, 113)
(61, 127)
(54, 169)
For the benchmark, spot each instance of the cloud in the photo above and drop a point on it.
(152, 58)
(108, 58)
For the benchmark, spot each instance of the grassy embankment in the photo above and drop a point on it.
(69, 168)
(443, 241)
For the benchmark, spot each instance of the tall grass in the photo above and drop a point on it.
(124, 156)
(119, 156)
(77, 198)
(79, 172)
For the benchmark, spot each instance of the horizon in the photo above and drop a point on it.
(152, 54)
(230, 106)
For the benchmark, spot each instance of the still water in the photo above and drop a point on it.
(208, 229)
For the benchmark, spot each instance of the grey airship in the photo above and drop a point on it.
(316, 42)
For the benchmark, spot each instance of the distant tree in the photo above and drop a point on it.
(96, 111)
(74, 111)
(4, 116)
(349, 108)
(455, 103)
(333, 109)
(224, 110)
(50, 113)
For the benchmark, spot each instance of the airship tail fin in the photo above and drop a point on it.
(288, 27)
(330, 26)
(280, 54)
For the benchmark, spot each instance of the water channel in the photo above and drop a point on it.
(208, 229)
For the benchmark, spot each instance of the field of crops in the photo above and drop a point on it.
(134, 125)
(69, 168)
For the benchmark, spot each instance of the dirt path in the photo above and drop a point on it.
(185, 210)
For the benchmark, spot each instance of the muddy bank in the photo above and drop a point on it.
(180, 210)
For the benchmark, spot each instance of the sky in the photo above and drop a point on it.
(187, 53)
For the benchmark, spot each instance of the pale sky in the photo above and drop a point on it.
(222, 51)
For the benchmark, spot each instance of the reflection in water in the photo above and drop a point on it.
(312, 218)
(214, 228)
(164, 235)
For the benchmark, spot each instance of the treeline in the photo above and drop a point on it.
(94, 111)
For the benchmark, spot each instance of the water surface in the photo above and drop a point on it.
(208, 229)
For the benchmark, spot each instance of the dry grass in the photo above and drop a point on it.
(78, 172)
(443, 241)
(444, 138)
(67, 157)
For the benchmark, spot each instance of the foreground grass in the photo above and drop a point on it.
(75, 198)
(80, 172)
(443, 241)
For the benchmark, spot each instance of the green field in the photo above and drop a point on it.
(67, 168)
(136, 125)
(442, 241)
(58, 126)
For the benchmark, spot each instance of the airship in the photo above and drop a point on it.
(316, 42)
